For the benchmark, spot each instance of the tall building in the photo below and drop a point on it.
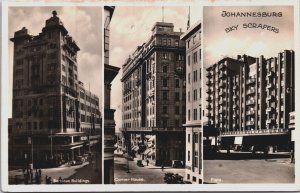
(153, 84)
(193, 144)
(249, 99)
(54, 118)
(110, 72)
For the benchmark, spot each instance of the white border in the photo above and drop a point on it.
(138, 187)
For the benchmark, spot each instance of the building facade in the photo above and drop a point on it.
(193, 144)
(110, 72)
(154, 97)
(54, 118)
(249, 99)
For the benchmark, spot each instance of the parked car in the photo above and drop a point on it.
(171, 178)
(140, 163)
(177, 164)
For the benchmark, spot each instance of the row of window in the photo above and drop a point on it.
(195, 114)
(195, 76)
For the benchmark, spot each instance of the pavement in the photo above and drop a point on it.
(244, 167)
(85, 173)
(141, 175)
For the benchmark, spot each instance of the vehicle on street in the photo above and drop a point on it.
(140, 163)
(177, 164)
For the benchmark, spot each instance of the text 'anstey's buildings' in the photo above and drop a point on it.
(54, 118)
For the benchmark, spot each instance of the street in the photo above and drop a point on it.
(140, 175)
(85, 173)
(244, 167)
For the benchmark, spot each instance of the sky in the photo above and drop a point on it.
(251, 41)
(84, 24)
(218, 43)
(131, 27)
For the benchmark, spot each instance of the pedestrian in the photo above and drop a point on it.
(46, 179)
(36, 178)
(60, 180)
(31, 176)
(40, 172)
(162, 166)
(147, 161)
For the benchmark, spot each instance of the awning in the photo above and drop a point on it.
(151, 153)
(146, 151)
(152, 138)
(135, 148)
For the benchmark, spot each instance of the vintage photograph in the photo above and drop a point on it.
(55, 80)
(148, 51)
(249, 92)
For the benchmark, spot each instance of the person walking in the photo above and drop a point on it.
(162, 166)
(147, 161)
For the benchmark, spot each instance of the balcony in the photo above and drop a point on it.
(208, 114)
(250, 81)
(270, 98)
(208, 107)
(250, 91)
(250, 112)
(222, 93)
(221, 111)
(250, 102)
(270, 85)
(222, 66)
(249, 123)
(235, 106)
(209, 91)
(270, 109)
(271, 74)
(270, 121)
(209, 75)
(222, 101)
(222, 84)
(208, 98)
(222, 75)
(208, 83)
(235, 87)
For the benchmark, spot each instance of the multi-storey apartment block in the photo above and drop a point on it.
(53, 117)
(154, 95)
(251, 98)
(193, 157)
(110, 72)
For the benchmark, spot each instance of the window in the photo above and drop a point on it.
(195, 94)
(169, 42)
(195, 160)
(195, 138)
(41, 125)
(165, 56)
(200, 54)
(176, 83)
(189, 114)
(177, 96)
(189, 78)
(194, 38)
(165, 69)
(164, 42)
(177, 110)
(188, 44)
(189, 155)
(189, 138)
(189, 60)
(176, 42)
(165, 95)
(165, 110)
(180, 57)
(200, 114)
(195, 76)
(195, 57)
(200, 95)
(188, 176)
(189, 96)
(165, 82)
(195, 114)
